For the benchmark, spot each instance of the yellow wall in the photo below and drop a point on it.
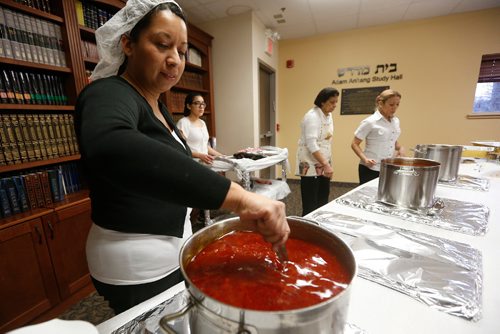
(439, 59)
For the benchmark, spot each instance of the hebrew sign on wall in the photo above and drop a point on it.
(366, 74)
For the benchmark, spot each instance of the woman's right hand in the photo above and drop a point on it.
(268, 215)
(370, 162)
(206, 158)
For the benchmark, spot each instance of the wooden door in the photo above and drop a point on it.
(27, 283)
(66, 231)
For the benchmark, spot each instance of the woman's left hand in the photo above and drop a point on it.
(327, 171)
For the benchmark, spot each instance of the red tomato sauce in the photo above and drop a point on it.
(242, 270)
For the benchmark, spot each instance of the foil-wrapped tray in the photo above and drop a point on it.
(458, 216)
(443, 274)
(468, 182)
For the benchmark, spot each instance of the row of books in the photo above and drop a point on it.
(33, 137)
(23, 87)
(176, 101)
(91, 16)
(90, 50)
(38, 189)
(43, 5)
(28, 38)
(191, 80)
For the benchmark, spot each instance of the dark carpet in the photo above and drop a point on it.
(95, 309)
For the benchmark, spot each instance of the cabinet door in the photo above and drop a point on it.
(66, 231)
(27, 283)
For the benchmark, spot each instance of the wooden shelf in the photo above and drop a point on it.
(190, 89)
(28, 64)
(23, 216)
(48, 107)
(39, 163)
(32, 11)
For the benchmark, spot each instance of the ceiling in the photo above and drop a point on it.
(303, 18)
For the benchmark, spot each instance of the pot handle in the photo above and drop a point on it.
(307, 220)
(169, 317)
(436, 208)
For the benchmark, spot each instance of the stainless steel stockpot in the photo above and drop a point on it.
(448, 155)
(408, 182)
(207, 315)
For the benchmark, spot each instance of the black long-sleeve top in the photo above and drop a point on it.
(141, 178)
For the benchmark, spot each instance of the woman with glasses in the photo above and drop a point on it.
(314, 154)
(195, 129)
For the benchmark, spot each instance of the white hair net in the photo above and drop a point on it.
(108, 36)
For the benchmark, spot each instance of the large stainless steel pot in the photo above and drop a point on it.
(207, 315)
(408, 182)
(448, 155)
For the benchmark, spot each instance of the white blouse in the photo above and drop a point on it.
(196, 136)
(380, 136)
(316, 135)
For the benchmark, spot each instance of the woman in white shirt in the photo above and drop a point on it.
(195, 129)
(381, 131)
(314, 154)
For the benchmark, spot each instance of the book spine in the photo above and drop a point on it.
(79, 12)
(28, 142)
(5, 41)
(4, 203)
(10, 189)
(58, 122)
(25, 88)
(54, 184)
(47, 43)
(73, 133)
(52, 136)
(30, 125)
(30, 190)
(19, 137)
(21, 192)
(64, 136)
(44, 133)
(16, 156)
(60, 45)
(11, 97)
(31, 38)
(40, 199)
(41, 40)
(4, 141)
(40, 136)
(17, 87)
(44, 181)
(24, 36)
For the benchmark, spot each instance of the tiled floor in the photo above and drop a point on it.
(95, 309)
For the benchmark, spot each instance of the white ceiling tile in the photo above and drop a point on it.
(382, 16)
(334, 24)
(324, 9)
(426, 9)
(471, 5)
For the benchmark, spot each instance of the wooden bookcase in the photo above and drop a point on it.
(42, 250)
(197, 78)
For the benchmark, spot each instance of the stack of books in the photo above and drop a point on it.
(31, 39)
(38, 188)
(34, 137)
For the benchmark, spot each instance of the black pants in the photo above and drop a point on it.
(123, 297)
(315, 191)
(366, 174)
